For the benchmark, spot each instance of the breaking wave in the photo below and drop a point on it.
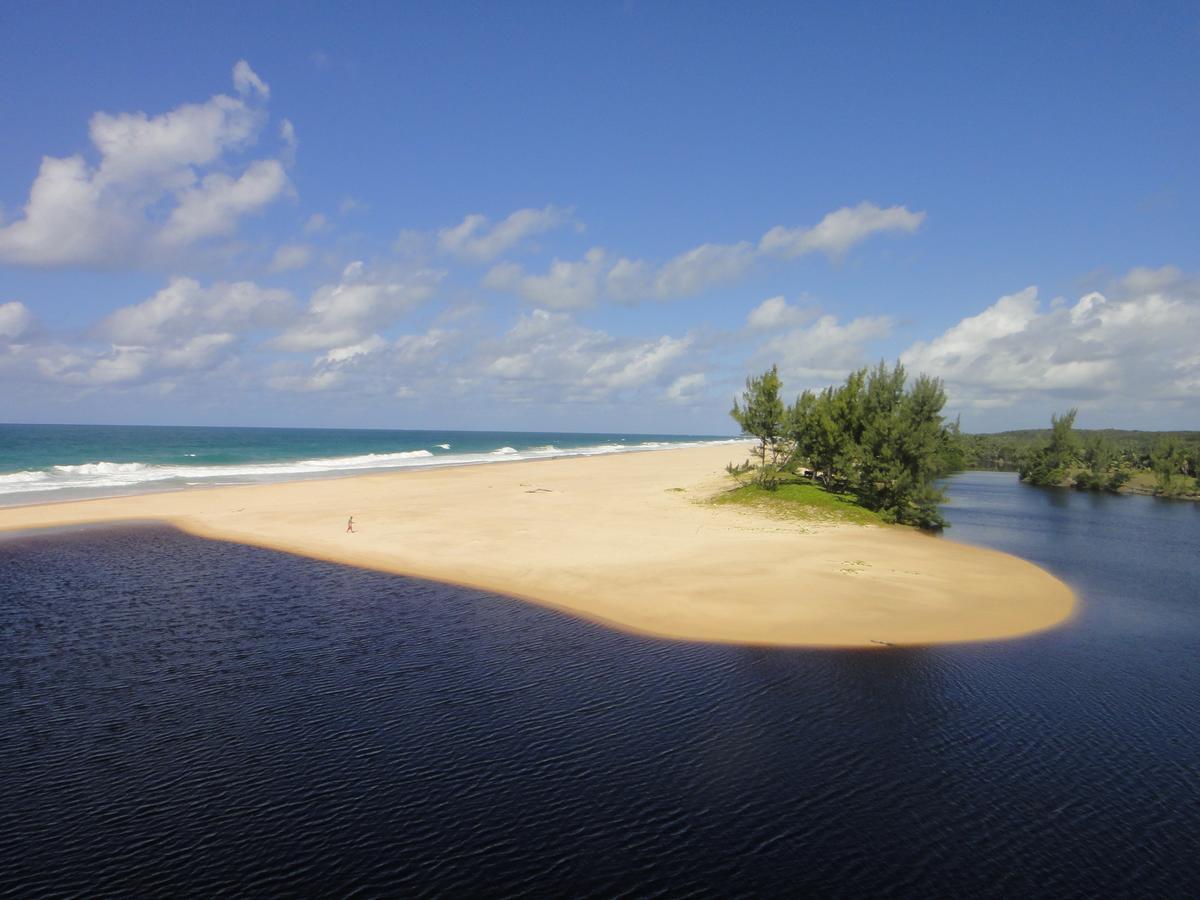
(105, 477)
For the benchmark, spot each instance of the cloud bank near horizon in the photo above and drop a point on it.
(484, 314)
(1130, 349)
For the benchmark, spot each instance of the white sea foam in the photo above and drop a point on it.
(106, 477)
(102, 468)
(23, 477)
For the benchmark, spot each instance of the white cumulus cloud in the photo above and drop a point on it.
(840, 230)
(374, 366)
(546, 355)
(475, 238)
(218, 202)
(185, 309)
(1129, 352)
(15, 319)
(361, 303)
(566, 285)
(775, 313)
(183, 328)
(575, 284)
(247, 82)
(341, 355)
(149, 190)
(290, 256)
(826, 350)
(689, 273)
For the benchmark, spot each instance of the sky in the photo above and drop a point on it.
(595, 217)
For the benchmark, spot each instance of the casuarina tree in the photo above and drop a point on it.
(761, 414)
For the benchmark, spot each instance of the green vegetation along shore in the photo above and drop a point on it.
(876, 445)
(1165, 464)
(874, 439)
(797, 497)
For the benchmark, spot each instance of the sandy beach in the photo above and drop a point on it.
(615, 540)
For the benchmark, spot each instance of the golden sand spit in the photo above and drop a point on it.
(613, 539)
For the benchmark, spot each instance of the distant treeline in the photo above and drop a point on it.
(1002, 451)
(1166, 463)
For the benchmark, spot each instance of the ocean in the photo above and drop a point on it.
(40, 463)
(183, 717)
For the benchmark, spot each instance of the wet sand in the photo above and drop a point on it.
(612, 539)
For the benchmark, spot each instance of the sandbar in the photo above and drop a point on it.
(627, 540)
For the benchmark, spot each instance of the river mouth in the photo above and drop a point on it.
(196, 717)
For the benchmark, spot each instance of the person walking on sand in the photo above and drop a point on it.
(350, 526)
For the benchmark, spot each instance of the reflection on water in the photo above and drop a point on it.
(186, 717)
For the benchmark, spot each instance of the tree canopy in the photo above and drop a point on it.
(1132, 451)
(1163, 463)
(874, 436)
(761, 414)
(1175, 467)
(1051, 464)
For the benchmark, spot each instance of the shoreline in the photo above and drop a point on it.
(613, 539)
(1128, 489)
(328, 469)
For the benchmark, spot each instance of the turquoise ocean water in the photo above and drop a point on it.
(40, 463)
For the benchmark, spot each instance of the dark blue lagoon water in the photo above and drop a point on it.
(184, 717)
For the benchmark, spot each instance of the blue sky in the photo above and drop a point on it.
(558, 216)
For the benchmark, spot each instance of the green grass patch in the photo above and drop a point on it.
(1147, 483)
(800, 500)
(1142, 481)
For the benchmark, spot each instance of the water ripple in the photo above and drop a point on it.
(186, 717)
